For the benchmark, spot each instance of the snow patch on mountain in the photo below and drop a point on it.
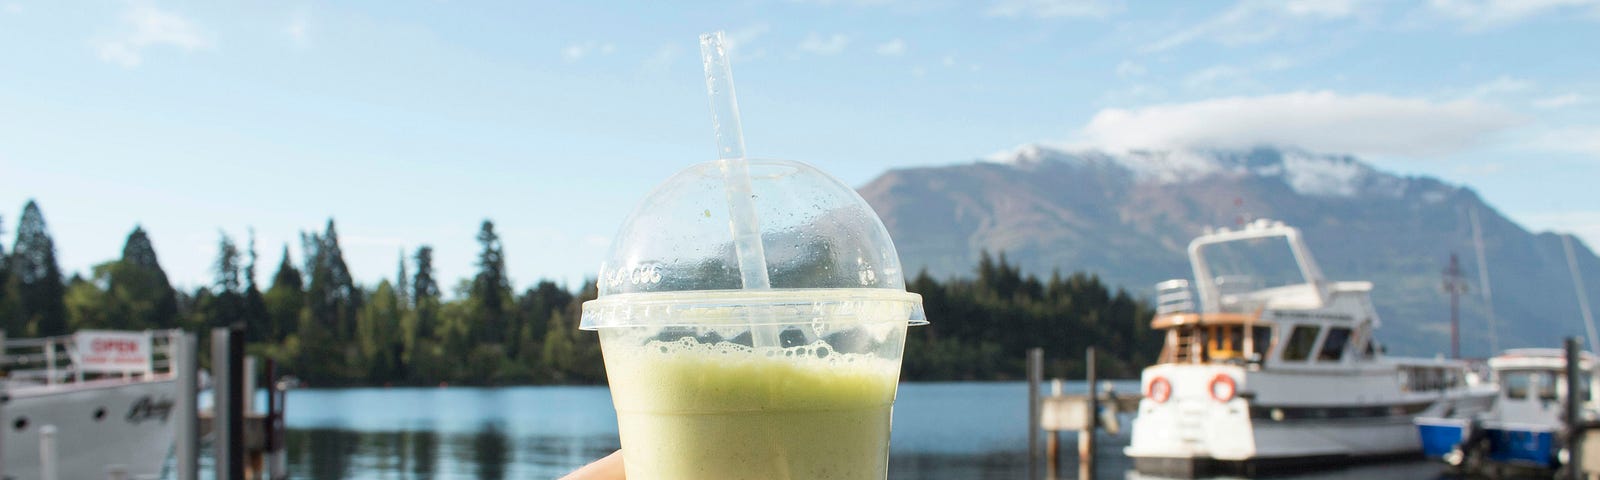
(1306, 173)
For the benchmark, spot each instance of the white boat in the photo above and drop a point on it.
(1278, 367)
(96, 404)
(1524, 428)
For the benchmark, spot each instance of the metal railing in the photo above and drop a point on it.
(56, 360)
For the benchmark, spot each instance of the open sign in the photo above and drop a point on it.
(112, 352)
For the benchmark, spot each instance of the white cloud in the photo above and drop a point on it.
(1212, 76)
(829, 45)
(1320, 8)
(1055, 8)
(151, 28)
(1486, 14)
(1128, 69)
(892, 48)
(741, 43)
(1502, 85)
(1319, 121)
(578, 51)
(1584, 139)
(1256, 21)
(299, 30)
(12, 8)
(1560, 101)
(664, 56)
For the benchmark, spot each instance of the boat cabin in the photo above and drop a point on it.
(1533, 383)
(1261, 298)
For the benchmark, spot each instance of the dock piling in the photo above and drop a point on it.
(187, 449)
(1086, 447)
(48, 456)
(1035, 377)
(227, 365)
(1574, 410)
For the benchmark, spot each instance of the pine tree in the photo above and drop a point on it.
(284, 299)
(227, 305)
(331, 293)
(491, 291)
(403, 283)
(42, 310)
(377, 333)
(254, 308)
(425, 293)
(140, 293)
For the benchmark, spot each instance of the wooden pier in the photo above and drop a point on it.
(1057, 412)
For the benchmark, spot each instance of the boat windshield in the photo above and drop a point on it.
(1541, 383)
(1251, 264)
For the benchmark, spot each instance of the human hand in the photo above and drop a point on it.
(608, 468)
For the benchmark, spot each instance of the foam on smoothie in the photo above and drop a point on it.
(723, 411)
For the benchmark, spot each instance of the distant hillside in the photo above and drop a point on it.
(1129, 217)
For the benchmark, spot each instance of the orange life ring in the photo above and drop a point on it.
(1159, 390)
(1222, 388)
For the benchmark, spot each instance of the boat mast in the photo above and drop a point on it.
(1455, 287)
(1577, 284)
(1483, 282)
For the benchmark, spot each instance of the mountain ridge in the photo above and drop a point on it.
(1128, 216)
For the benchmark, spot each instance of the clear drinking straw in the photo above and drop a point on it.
(735, 174)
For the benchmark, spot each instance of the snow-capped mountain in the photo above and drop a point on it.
(1128, 216)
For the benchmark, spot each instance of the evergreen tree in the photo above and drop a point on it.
(425, 293)
(403, 283)
(284, 299)
(491, 290)
(254, 308)
(378, 335)
(331, 293)
(227, 305)
(41, 309)
(139, 292)
(332, 302)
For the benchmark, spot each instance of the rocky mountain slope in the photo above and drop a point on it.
(1129, 217)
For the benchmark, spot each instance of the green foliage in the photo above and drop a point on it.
(284, 299)
(979, 329)
(140, 295)
(324, 328)
(35, 279)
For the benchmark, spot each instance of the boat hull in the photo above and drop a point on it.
(101, 427)
(1274, 426)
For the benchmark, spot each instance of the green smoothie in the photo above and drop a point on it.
(692, 411)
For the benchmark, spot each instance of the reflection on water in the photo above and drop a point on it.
(943, 431)
(489, 454)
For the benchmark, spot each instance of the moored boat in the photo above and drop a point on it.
(103, 401)
(1524, 428)
(1278, 368)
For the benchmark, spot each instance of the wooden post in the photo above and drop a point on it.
(187, 449)
(1035, 376)
(1086, 436)
(1574, 411)
(227, 365)
(1052, 443)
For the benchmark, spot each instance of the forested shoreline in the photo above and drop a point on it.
(320, 325)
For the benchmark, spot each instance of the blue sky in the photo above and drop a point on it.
(410, 122)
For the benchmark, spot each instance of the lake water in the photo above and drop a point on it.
(942, 431)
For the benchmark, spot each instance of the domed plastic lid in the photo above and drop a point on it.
(817, 233)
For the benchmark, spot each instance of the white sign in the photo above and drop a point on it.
(113, 352)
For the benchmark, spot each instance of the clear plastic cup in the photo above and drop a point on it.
(714, 381)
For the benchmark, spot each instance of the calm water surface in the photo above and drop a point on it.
(942, 431)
